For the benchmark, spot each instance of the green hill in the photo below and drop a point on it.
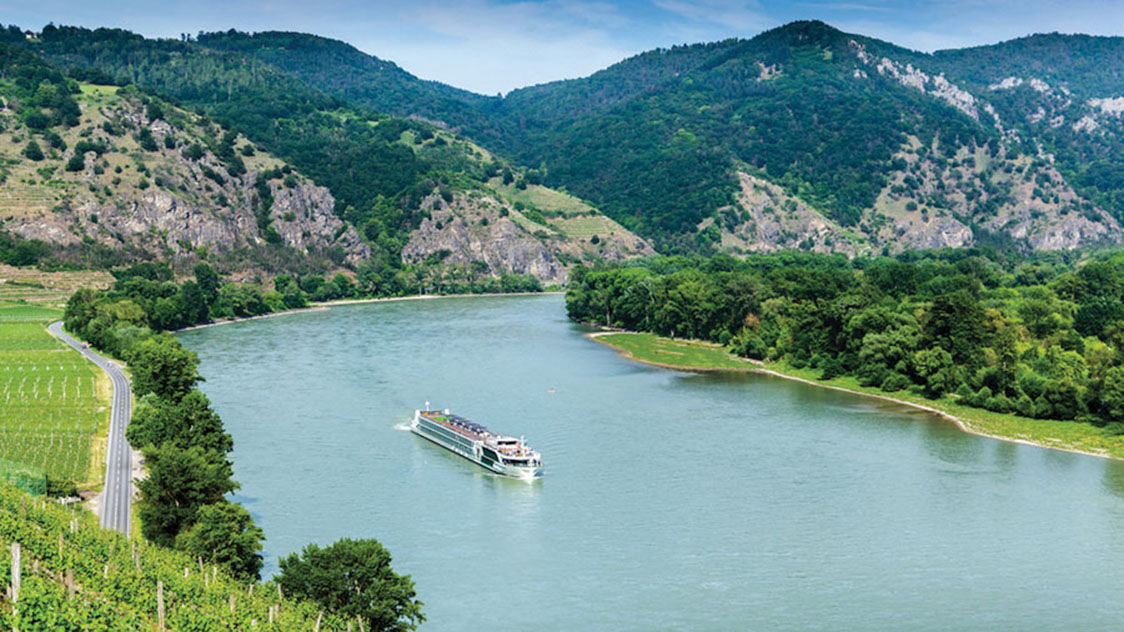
(861, 145)
(415, 193)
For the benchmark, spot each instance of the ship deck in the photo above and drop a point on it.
(459, 424)
(476, 432)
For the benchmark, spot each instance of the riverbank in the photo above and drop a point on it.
(317, 307)
(694, 355)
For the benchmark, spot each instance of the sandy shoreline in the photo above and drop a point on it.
(755, 366)
(320, 307)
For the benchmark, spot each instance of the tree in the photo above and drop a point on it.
(1096, 313)
(956, 324)
(353, 578)
(208, 281)
(1112, 397)
(195, 306)
(225, 534)
(179, 483)
(33, 151)
(189, 422)
(161, 365)
(934, 366)
(77, 162)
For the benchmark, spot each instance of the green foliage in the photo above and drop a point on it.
(116, 579)
(193, 152)
(225, 534)
(180, 481)
(77, 162)
(353, 578)
(163, 367)
(16, 251)
(188, 422)
(995, 331)
(33, 151)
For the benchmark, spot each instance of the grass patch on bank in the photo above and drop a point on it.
(693, 355)
(1066, 435)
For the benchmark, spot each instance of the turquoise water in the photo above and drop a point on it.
(670, 501)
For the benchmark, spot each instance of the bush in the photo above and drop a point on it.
(895, 382)
(77, 162)
(33, 151)
(998, 404)
(193, 152)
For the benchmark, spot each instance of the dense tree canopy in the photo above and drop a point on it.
(1039, 338)
(353, 578)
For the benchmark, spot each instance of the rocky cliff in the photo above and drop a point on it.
(475, 228)
(146, 181)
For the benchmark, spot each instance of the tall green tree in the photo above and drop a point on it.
(161, 365)
(208, 281)
(179, 482)
(353, 578)
(225, 534)
(186, 423)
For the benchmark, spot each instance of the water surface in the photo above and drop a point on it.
(671, 500)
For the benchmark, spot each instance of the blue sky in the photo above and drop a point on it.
(494, 46)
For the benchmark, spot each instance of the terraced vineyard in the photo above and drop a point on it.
(77, 576)
(50, 409)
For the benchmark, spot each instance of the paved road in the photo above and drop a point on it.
(118, 493)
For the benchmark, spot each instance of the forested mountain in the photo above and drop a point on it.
(803, 136)
(410, 193)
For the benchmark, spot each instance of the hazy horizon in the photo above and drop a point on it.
(495, 46)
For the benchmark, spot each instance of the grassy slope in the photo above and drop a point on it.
(703, 356)
(56, 404)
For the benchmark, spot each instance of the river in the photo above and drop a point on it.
(671, 500)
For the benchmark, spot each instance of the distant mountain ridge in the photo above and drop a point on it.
(861, 131)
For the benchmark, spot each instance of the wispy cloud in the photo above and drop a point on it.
(741, 15)
(844, 6)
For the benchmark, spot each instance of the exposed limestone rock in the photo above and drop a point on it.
(476, 229)
(768, 72)
(1032, 203)
(460, 232)
(1086, 124)
(939, 232)
(772, 220)
(915, 78)
(1113, 105)
(160, 203)
(1006, 84)
(304, 218)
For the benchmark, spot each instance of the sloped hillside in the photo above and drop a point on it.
(1017, 145)
(383, 173)
(77, 576)
(109, 175)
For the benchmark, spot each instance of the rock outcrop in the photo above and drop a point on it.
(172, 199)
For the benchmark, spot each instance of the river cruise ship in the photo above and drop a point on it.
(501, 454)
